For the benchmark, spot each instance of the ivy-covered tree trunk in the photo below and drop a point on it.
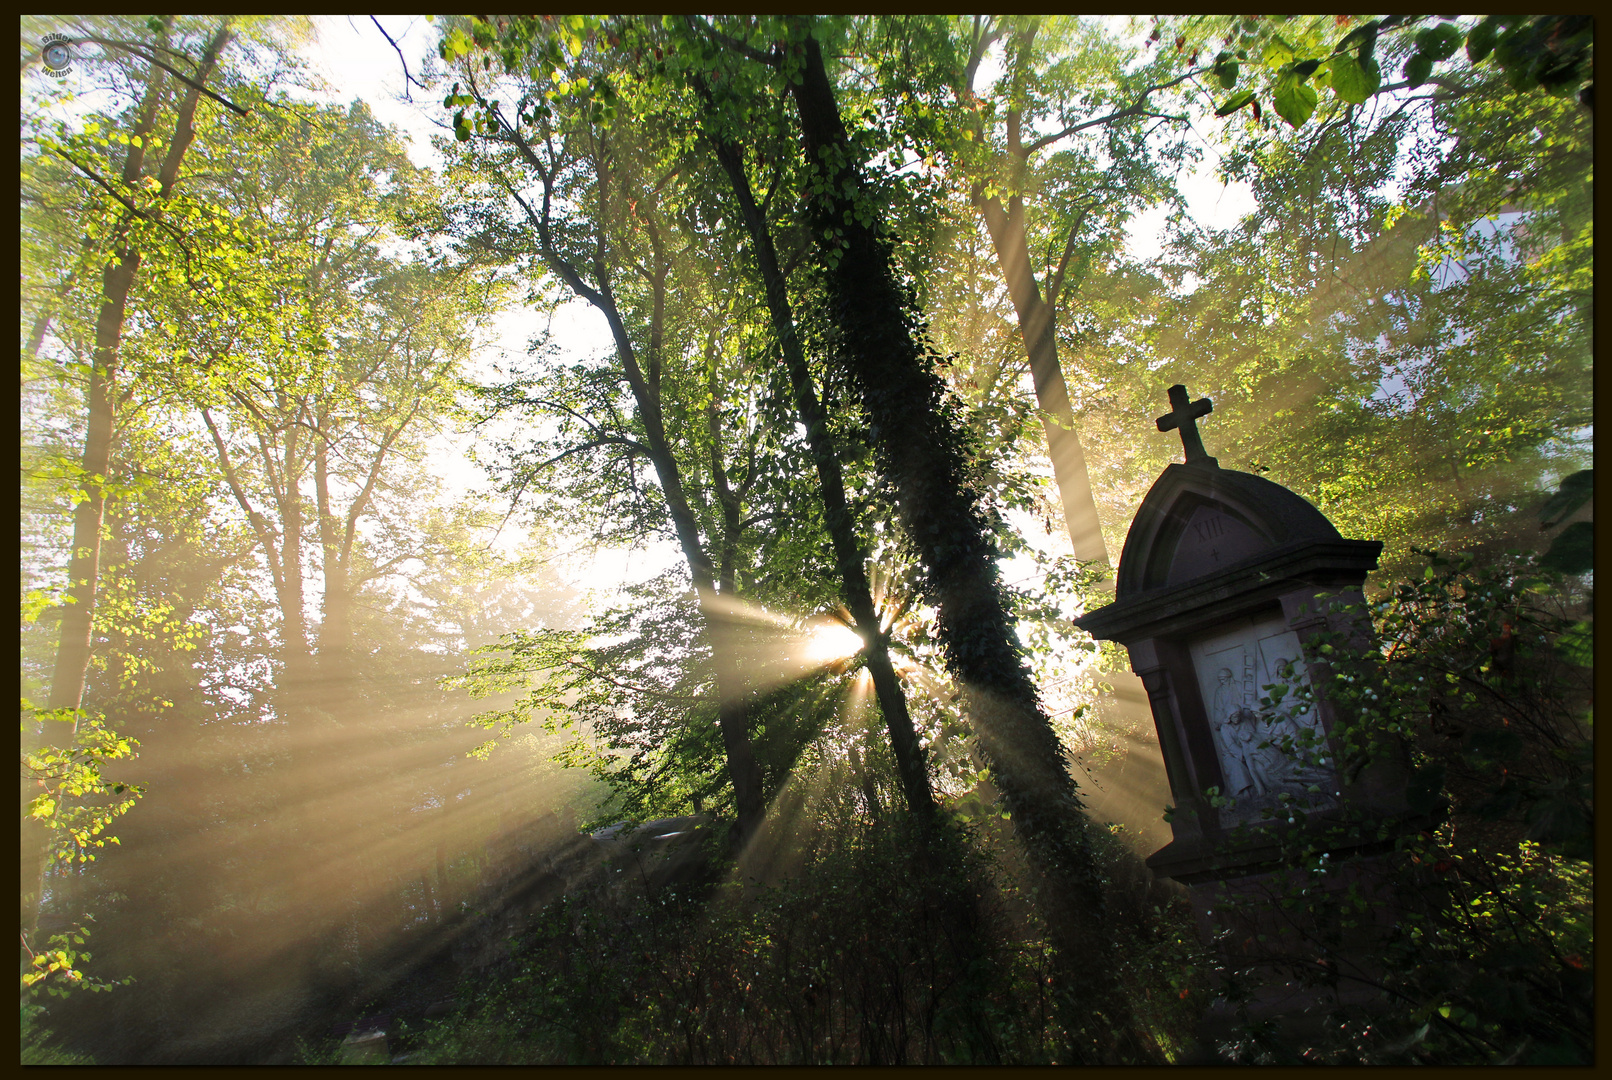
(849, 556)
(880, 344)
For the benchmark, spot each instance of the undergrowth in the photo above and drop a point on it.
(881, 949)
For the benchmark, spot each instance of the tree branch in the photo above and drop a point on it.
(187, 80)
(772, 59)
(1138, 108)
(407, 78)
(1055, 283)
(579, 665)
(136, 211)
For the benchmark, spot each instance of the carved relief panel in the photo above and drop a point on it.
(1263, 750)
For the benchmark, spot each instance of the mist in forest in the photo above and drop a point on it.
(412, 540)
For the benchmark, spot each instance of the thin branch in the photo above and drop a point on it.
(636, 689)
(110, 190)
(407, 78)
(361, 579)
(1055, 285)
(187, 80)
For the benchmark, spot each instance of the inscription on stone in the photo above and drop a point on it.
(1212, 539)
(1263, 750)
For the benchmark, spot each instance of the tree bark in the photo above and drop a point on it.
(880, 346)
(849, 555)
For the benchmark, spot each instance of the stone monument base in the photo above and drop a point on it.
(1300, 950)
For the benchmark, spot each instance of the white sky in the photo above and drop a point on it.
(357, 61)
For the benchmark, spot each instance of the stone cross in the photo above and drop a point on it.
(1184, 415)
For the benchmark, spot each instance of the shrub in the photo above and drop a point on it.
(1482, 950)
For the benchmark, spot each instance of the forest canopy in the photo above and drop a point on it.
(334, 695)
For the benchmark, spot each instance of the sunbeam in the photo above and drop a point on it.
(832, 641)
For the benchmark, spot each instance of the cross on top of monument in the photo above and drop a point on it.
(1184, 415)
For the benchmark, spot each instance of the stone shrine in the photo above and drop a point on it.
(1223, 578)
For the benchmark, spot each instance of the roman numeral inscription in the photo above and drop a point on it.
(1211, 539)
(1208, 528)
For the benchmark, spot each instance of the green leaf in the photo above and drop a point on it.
(1480, 43)
(1294, 101)
(1353, 81)
(1577, 645)
(1439, 42)
(1226, 70)
(1235, 102)
(1417, 69)
(1365, 35)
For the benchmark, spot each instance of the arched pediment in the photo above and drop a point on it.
(1199, 519)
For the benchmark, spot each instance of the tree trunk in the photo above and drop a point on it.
(849, 556)
(1038, 329)
(733, 713)
(335, 629)
(84, 563)
(297, 658)
(919, 448)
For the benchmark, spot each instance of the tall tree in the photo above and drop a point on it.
(880, 345)
(1035, 192)
(133, 171)
(849, 553)
(593, 212)
(135, 176)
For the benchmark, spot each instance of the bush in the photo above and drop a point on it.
(37, 1047)
(1481, 949)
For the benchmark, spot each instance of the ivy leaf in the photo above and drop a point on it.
(1294, 100)
(1417, 69)
(1352, 80)
(1235, 102)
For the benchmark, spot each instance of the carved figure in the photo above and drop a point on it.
(1233, 731)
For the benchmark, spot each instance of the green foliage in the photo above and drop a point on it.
(1341, 318)
(37, 1048)
(57, 969)
(1474, 933)
(1553, 52)
(77, 802)
(306, 298)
